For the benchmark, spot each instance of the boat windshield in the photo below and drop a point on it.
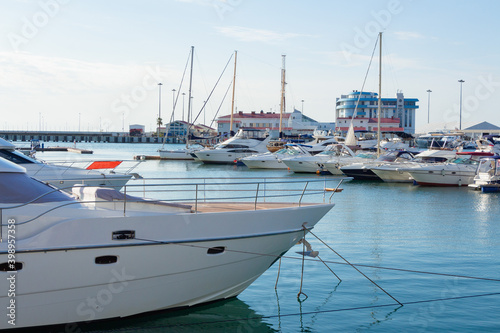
(488, 166)
(463, 160)
(20, 188)
(16, 157)
(366, 155)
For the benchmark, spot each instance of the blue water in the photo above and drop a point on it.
(452, 232)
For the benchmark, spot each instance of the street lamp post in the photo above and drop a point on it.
(159, 109)
(428, 103)
(460, 124)
(302, 107)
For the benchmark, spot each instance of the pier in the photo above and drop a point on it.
(76, 136)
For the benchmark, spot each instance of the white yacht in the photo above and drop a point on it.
(312, 164)
(363, 170)
(487, 178)
(110, 255)
(275, 160)
(393, 171)
(63, 176)
(459, 171)
(178, 154)
(246, 142)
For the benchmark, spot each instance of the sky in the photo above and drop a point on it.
(95, 65)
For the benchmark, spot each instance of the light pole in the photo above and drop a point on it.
(428, 103)
(159, 110)
(460, 124)
(79, 118)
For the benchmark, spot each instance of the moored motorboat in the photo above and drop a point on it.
(392, 172)
(487, 178)
(459, 171)
(274, 160)
(312, 164)
(66, 174)
(246, 142)
(363, 170)
(107, 254)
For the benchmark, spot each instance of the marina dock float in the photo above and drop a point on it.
(148, 157)
(63, 149)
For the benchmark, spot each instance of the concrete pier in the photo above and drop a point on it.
(74, 136)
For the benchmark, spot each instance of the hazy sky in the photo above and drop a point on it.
(66, 64)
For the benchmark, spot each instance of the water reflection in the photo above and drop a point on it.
(231, 315)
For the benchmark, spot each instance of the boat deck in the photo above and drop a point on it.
(214, 207)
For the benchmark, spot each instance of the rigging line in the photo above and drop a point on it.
(215, 86)
(329, 261)
(355, 268)
(178, 92)
(220, 105)
(364, 81)
(312, 312)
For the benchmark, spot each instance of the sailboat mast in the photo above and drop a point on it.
(189, 95)
(379, 111)
(232, 102)
(282, 104)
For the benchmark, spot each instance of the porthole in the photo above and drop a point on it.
(9, 267)
(104, 260)
(216, 250)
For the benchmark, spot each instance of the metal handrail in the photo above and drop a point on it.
(268, 193)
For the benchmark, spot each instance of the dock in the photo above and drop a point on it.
(60, 149)
(148, 157)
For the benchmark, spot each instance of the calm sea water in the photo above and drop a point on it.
(436, 250)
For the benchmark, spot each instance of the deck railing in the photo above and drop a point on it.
(197, 191)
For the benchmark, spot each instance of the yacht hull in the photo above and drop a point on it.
(181, 154)
(173, 261)
(264, 164)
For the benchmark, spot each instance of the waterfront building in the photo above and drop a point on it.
(397, 114)
(178, 129)
(294, 123)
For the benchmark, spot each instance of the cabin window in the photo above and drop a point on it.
(104, 260)
(9, 267)
(216, 250)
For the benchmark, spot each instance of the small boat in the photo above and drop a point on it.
(246, 142)
(102, 254)
(363, 170)
(313, 164)
(392, 172)
(487, 178)
(275, 160)
(459, 171)
(65, 175)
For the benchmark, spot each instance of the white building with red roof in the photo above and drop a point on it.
(294, 123)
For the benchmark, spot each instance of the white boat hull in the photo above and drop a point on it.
(147, 278)
(66, 177)
(302, 165)
(166, 266)
(264, 164)
(393, 175)
(180, 154)
(443, 176)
